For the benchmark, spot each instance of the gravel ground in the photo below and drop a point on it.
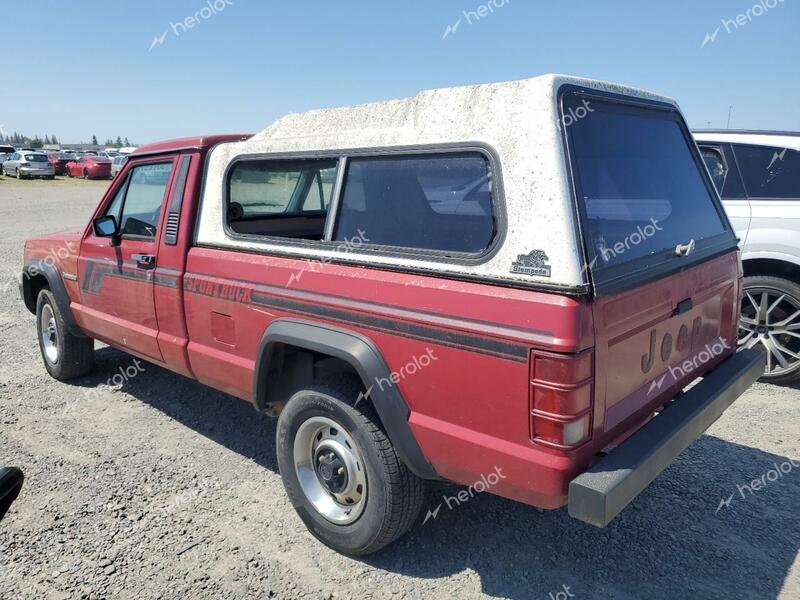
(156, 487)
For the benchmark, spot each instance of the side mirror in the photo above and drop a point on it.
(11, 480)
(106, 226)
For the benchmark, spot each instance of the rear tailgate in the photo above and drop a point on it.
(655, 340)
(661, 254)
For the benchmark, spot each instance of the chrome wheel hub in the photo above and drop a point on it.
(330, 470)
(771, 318)
(49, 334)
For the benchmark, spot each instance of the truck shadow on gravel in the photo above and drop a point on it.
(703, 529)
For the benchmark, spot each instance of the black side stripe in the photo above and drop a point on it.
(457, 340)
(97, 271)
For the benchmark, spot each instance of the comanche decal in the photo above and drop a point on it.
(223, 291)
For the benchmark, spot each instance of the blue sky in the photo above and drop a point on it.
(77, 69)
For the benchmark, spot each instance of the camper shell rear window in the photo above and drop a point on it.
(646, 203)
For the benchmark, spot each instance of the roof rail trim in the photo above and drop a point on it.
(163, 151)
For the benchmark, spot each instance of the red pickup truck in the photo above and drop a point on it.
(508, 286)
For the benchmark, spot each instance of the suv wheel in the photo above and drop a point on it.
(770, 317)
(341, 472)
(65, 356)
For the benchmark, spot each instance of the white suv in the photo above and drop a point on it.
(757, 174)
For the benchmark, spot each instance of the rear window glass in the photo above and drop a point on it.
(641, 189)
(427, 202)
(769, 172)
(36, 158)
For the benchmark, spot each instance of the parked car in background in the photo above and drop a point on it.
(117, 163)
(441, 339)
(24, 165)
(757, 174)
(5, 149)
(127, 150)
(90, 167)
(4, 157)
(59, 162)
(109, 153)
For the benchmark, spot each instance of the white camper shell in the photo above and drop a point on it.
(519, 125)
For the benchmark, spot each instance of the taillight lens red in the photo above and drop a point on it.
(561, 398)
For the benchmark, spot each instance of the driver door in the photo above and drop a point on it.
(116, 279)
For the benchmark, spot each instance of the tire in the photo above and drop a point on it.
(86, 173)
(391, 495)
(19, 175)
(771, 327)
(73, 356)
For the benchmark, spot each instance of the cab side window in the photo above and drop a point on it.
(138, 201)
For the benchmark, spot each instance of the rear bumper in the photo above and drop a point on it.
(599, 494)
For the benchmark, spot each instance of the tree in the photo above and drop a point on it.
(119, 142)
(109, 142)
(94, 140)
(53, 139)
(127, 143)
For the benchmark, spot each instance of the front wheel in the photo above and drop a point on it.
(770, 318)
(342, 473)
(65, 355)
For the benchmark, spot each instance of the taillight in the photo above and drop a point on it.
(561, 398)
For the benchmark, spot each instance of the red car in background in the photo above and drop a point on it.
(90, 167)
(59, 162)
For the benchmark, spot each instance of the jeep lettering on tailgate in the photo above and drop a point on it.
(541, 358)
(685, 340)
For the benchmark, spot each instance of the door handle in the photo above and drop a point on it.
(145, 261)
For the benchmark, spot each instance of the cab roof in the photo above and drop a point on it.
(201, 142)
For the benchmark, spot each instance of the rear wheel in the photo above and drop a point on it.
(770, 318)
(86, 173)
(65, 355)
(342, 473)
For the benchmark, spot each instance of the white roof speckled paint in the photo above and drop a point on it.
(518, 119)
